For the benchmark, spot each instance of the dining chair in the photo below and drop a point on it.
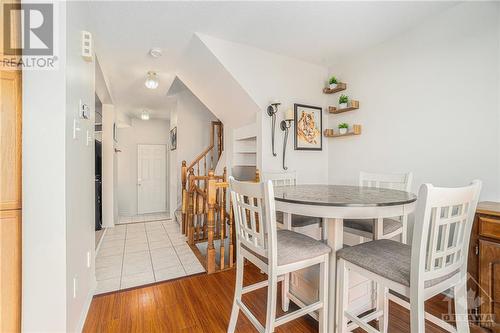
(389, 227)
(276, 252)
(289, 178)
(436, 260)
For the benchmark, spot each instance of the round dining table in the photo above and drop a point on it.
(334, 203)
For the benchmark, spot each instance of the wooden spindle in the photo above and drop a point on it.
(198, 172)
(190, 214)
(205, 209)
(184, 197)
(205, 165)
(210, 222)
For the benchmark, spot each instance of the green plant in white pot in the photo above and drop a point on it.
(343, 127)
(333, 82)
(343, 99)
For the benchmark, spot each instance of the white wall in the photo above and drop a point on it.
(80, 185)
(193, 120)
(44, 190)
(498, 96)
(58, 185)
(154, 131)
(266, 77)
(428, 103)
(212, 84)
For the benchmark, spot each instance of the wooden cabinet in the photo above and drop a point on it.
(10, 271)
(10, 188)
(10, 140)
(484, 265)
(489, 281)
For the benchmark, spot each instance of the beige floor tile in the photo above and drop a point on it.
(107, 243)
(136, 247)
(111, 251)
(169, 273)
(101, 262)
(158, 237)
(108, 272)
(137, 280)
(118, 236)
(194, 268)
(105, 286)
(153, 245)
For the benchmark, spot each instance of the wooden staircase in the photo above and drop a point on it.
(206, 211)
(204, 207)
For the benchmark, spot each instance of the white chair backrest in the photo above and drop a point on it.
(400, 182)
(281, 178)
(443, 223)
(255, 217)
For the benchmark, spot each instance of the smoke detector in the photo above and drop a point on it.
(155, 52)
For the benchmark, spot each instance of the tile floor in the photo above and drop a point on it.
(143, 218)
(141, 253)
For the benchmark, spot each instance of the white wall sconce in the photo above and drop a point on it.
(152, 80)
(285, 126)
(271, 111)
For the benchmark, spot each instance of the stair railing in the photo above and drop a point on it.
(212, 153)
(209, 217)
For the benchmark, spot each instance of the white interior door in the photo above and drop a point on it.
(151, 178)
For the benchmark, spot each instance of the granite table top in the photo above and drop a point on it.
(342, 196)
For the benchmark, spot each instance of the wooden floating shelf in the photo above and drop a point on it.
(340, 86)
(353, 105)
(337, 135)
(330, 134)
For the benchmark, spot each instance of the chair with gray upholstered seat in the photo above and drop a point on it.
(390, 227)
(277, 253)
(289, 178)
(436, 261)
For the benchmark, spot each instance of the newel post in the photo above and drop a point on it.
(184, 197)
(211, 196)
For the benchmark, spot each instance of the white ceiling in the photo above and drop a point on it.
(318, 32)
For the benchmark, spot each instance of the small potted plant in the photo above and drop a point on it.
(333, 82)
(343, 99)
(343, 128)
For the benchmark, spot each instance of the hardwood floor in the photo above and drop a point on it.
(203, 303)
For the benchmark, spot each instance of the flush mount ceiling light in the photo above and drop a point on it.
(152, 80)
(145, 115)
(155, 52)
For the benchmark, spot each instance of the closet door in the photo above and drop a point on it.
(10, 140)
